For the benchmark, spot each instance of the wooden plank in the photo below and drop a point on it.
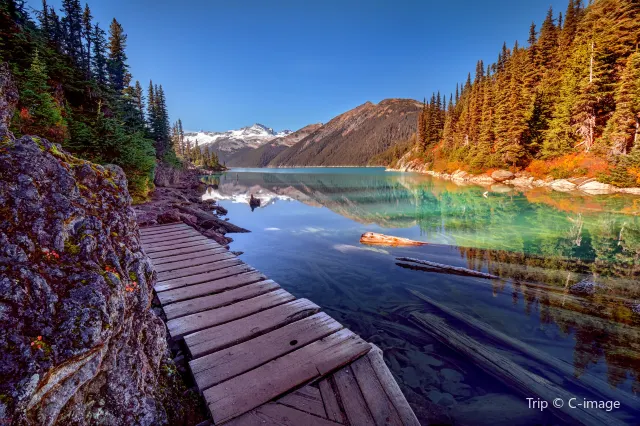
(272, 414)
(382, 409)
(307, 399)
(180, 309)
(205, 289)
(355, 407)
(168, 239)
(157, 230)
(201, 243)
(225, 260)
(222, 269)
(168, 235)
(201, 320)
(252, 389)
(210, 245)
(391, 387)
(215, 257)
(219, 366)
(187, 256)
(220, 337)
(519, 379)
(167, 245)
(330, 401)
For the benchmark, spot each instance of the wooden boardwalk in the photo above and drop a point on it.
(259, 355)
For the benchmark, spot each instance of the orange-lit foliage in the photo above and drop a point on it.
(569, 165)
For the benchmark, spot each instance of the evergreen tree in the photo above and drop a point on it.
(87, 33)
(548, 41)
(72, 27)
(138, 99)
(116, 64)
(99, 60)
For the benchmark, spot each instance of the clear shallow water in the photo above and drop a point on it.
(541, 243)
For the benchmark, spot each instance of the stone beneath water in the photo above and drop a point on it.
(79, 342)
(387, 240)
(502, 175)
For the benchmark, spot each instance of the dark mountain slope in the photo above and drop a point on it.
(352, 138)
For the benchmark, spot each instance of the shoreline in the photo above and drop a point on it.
(524, 181)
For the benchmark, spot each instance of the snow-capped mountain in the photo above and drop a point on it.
(233, 140)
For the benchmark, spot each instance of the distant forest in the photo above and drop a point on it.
(566, 105)
(75, 89)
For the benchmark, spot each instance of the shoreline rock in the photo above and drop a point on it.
(521, 180)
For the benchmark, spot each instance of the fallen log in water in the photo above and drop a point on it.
(524, 382)
(373, 238)
(588, 383)
(209, 217)
(441, 267)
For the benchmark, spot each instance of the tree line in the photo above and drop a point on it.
(573, 90)
(75, 89)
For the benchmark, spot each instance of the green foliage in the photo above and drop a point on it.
(75, 92)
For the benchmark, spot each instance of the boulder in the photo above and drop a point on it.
(562, 185)
(522, 182)
(634, 191)
(595, 187)
(170, 216)
(502, 175)
(79, 342)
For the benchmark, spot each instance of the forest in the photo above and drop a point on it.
(566, 105)
(76, 89)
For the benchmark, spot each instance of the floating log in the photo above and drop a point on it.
(587, 382)
(441, 267)
(373, 238)
(524, 382)
(208, 217)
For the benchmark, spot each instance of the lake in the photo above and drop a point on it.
(566, 306)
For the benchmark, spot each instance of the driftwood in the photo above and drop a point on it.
(208, 217)
(587, 382)
(373, 238)
(441, 267)
(522, 381)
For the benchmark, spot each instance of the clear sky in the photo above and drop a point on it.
(284, 63)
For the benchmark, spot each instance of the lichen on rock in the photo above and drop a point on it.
(79, 342)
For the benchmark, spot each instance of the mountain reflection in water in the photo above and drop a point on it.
(568, 263)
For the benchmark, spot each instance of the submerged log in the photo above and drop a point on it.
(587, 382)
(208, 217)
(441, 267)
(522, 381)
(387, 240)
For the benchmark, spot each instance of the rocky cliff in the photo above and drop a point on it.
(78, 340)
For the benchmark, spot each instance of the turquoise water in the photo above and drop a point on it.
(540, 243)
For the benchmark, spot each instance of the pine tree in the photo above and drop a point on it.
(116, 64)
(72, 26)
(99, 60)
(138, 98)
(548, 41)
(422, 136)
(623, 129)
(87, 33)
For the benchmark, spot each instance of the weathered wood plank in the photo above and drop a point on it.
(330, 401)
(216, 338)
(522, 381)
(169, 235)
(180, 309)
(210, 245)
(197, 261)
(250, 390)
(355, 407)
(167, 245)
(200, 243)
(218, 270)
(201, 320)
(157, 230)
(225, 260)
(272, 414)
(204, 289)
(219, 366)
(382, 409)
(188, 256)
(391, 387)
(305, 399)
(178, 239)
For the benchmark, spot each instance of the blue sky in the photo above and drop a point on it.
(286, 64)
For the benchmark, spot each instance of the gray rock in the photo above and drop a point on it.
(451, 375)
(447, 400)
(69, 249)
(562, 185)
(502, 175)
